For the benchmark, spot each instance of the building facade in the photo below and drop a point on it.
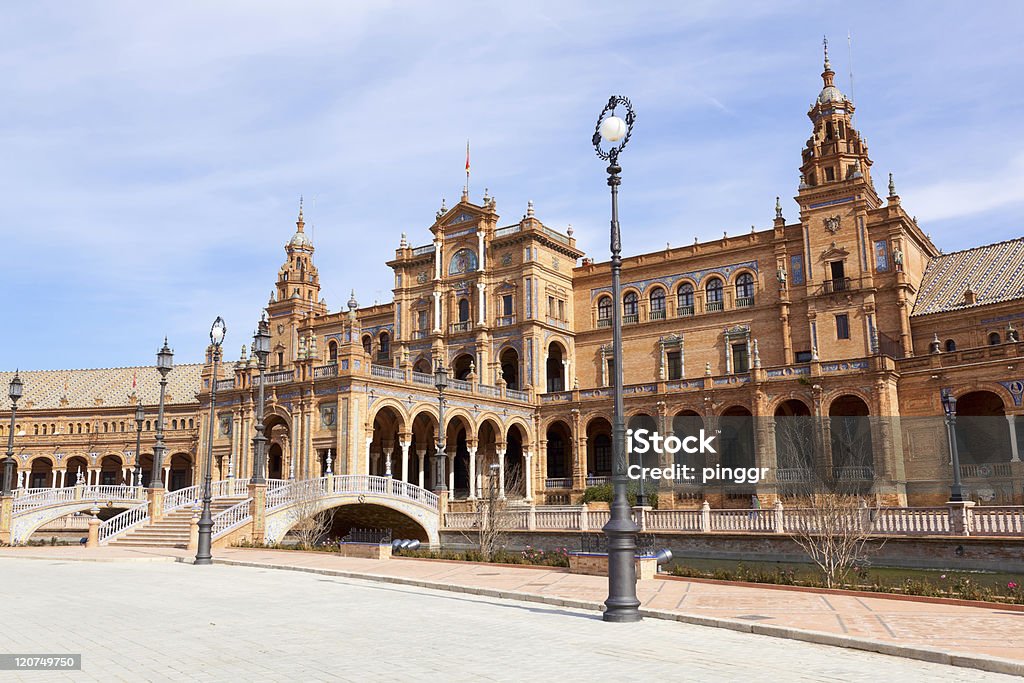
(847, 318)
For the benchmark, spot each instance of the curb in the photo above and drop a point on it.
(926, 654)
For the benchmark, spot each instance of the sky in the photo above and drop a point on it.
(152, 155)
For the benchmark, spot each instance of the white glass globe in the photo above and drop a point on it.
(613, 129)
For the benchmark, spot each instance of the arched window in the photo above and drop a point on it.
(463, 310)
(367, 343)
(657, 304)
(332, 352)
(122, 426)
(384, 350)
(191, 423)
(174, 424)
(993, 338)
(149, 425)
(745, 290)
(44, 430)
(950, 345)
(604, 311)
(630, 308)
(684, 299)
(713, 290)
(35, 430)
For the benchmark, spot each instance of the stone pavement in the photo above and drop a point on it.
(991, 639)
(174, 621)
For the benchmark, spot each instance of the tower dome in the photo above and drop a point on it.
(300, 238)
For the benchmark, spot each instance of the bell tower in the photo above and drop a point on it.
(296, 295)
(835, 155)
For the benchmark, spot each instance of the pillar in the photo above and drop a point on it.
(480, 306)
(437, 311)
(472, 472)
(451, 474)
(369, 442)
(404, 446)
(421, 454)
(1015, 457)
(528, 474)
(387, 451)
(501, 472)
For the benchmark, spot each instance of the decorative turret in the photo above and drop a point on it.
(835, 152)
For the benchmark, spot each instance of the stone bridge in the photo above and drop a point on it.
(32, 508)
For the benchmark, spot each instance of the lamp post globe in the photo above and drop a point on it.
(14, 392)
(203, 552)
(611, 134)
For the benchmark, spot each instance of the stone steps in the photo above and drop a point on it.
(172, 530)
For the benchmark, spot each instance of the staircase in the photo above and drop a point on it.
(172, 530)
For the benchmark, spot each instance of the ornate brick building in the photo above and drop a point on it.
(848, 317)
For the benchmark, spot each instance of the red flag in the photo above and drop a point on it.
(467, 157)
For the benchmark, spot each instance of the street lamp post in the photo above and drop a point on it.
(164, 364)
(140, 415)
(441, 382)
(203, 554)
(14, 391)
(622, 604)
(956, 491)
(261, 347)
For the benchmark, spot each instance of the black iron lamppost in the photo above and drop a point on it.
(441, 382)
(14, 391)
(203, 554)
(622, 604)
(956, 491)
(164, 364)
(140, 415)
(261, 347)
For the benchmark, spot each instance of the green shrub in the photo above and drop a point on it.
(603, 493)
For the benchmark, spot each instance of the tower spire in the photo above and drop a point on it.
(828, 75)
(300, 223)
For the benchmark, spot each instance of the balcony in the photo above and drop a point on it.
(604, 322)
(714, 306)
(853, 473)
(745, 302)
(684, 311)
(842, 284)
(464, 326)
(420, 334)
(506, 320)
(630, 318)
(657, 315)
(558, 483)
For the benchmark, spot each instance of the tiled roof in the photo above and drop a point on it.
(45, 389)
(994, 273)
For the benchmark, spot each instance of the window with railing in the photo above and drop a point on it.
(604, 311)
(630, 308)
(841, 284)
(684, 300)
(713, 294)
(657, 299)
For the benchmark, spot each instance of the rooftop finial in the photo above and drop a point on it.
(404, 244)
(529, 209)
(824, 42)
(892, 186)
(301, 221)
(778, 208)
(569, 231)
(352, 303)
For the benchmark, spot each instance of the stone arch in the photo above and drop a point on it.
(685, 423)
(982, 432)
(459, 433)
(556, 365)
(508, 360)
(112, 469)
(423, 366)
(462, 365)
(277, 428)
(736, 437)
(40, 472)
(72, 466)
(559, 454)
(181, 468)
(388, 423)
(423, 427)
(850, 439)
(523, 429)
(599, 448)
(795, 441)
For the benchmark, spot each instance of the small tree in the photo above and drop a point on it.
(496, 516)
(833, 524)
(311, 523)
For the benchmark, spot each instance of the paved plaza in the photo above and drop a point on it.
(166, 620)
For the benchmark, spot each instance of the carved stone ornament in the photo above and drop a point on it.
(421, 277)
(506, 259)
(832, 224)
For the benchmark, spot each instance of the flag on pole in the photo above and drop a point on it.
(467, 157)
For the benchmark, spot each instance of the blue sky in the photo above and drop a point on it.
(153, 154)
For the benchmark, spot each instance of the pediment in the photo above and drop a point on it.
(834, 253)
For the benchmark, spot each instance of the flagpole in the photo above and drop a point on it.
(467, 169)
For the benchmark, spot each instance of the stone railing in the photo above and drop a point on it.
(277, 377)
(325, 371)
(387, 372)
(938, 521)
(123, 522)
(232, 517)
